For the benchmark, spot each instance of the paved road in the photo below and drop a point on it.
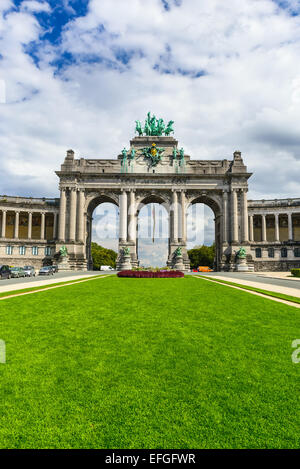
(253, 277)
(46, 278)
(233, 276)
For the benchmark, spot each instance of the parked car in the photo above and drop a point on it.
(5, 271)
(21, 272)
(29, 271)
(17, 272)
(106, 267)
(204, 268)
(47, 270)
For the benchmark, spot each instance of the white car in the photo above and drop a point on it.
(29, 271)
(106, 267)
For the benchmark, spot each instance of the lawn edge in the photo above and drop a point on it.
(26, 291)
(291, 300)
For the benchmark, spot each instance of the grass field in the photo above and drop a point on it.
(148, 363)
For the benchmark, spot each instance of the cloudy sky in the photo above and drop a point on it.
(77, 73)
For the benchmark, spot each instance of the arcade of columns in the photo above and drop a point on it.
(29, 214)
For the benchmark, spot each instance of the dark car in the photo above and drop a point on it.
(47, 270)
(5, 271)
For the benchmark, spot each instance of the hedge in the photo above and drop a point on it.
(295, 272)
(149, 274)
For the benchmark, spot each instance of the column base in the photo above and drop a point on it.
(172, 259)
(241, 265)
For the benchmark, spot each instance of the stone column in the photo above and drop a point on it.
(29, 235)
(225, 217)
(131, 217)
(72, 222)
(43, 225)
(16, 233)
(263, 228)
(234, 215)
(183, 216)
(3, 231)
(123, 216)
(290, 225)
(175, 217)
(54, 225)
(276, 215)
(62, 216)
(245, 217)
(251, 233)
(80, 217)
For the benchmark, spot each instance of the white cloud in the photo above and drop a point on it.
(35, 6)
(248, 99)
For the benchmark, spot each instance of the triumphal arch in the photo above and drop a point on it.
(154, 168)
(264, 234)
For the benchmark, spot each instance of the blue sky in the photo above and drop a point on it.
(77, 74)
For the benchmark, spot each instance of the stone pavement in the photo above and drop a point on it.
(39, 282)
(280, 275)
(263, 286)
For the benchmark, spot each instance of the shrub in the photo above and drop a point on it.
(102, 256)
(295, 272)
(150, 274)
(203, 255)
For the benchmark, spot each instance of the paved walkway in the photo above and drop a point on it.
(40, 282)
(263, 286)
(280, 275)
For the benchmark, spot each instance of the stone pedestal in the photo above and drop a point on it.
(63, 263)
(241, 265)
(126, 262)
(179, 265)
(172, 259)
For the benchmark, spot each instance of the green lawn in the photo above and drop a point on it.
(148, 363)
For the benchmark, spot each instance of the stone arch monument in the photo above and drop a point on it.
(155, 169)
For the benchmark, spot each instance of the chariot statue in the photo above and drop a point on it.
(153, 126)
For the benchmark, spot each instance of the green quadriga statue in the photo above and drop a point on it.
(153, 126)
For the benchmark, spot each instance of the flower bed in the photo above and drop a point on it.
(150, 274)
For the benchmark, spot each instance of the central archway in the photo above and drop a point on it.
(153, 231)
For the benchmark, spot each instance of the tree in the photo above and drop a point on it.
(102, 256)
(203, 255)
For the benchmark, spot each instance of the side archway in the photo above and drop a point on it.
(214, 203)
(95, 230)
